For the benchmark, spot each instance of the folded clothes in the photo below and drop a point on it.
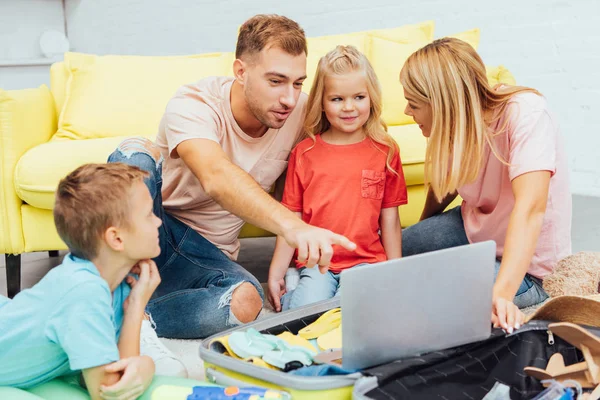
(331, 340)
(325, 323)
(252, 343)
(295, 340)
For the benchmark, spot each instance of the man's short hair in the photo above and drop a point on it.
(270, 30)
(91, 199)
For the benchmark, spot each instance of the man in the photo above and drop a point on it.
(222, 143)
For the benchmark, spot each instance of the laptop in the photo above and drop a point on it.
(418, 304)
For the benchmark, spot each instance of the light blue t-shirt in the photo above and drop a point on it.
(69, 321)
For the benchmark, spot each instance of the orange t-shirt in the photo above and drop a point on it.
(343, 188)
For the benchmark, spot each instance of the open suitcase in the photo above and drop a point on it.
(227, 371)
(465, 372)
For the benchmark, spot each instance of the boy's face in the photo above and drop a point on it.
(141, 240)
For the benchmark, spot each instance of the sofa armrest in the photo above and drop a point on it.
(27, 119)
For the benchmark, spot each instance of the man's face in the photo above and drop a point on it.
(273, 85)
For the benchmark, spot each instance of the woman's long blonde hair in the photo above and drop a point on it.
(343, 60)
(450, 76)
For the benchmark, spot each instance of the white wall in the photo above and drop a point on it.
(21, 24)
(552, 45)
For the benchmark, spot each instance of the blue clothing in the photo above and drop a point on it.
(322, 370)
(69, 321)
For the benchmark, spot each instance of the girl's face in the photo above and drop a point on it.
(420, 112)
(346, 102)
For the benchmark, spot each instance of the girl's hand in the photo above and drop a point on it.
(137, 373)
(144, 286)
(506, 314)
(276, 289)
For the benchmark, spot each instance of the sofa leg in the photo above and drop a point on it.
(53, 253)
(13, 274)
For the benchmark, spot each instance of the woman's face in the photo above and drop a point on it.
(420, 113)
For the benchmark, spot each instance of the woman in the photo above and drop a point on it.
(500, 150)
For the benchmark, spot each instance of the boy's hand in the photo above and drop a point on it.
(276, 290)
(144, 286)
(137, 374)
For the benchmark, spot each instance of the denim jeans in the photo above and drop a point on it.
(447, 230)
(312, 287)
(197, 279)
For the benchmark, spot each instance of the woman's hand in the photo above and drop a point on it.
(506, 314)
(137, 373)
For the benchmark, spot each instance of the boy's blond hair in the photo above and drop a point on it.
(91, 199)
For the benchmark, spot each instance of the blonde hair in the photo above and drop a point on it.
(91, 199)
(450, 76)
(343, 60)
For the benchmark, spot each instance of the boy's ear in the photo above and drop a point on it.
(113, 239)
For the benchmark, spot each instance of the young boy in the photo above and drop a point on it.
(85, 315)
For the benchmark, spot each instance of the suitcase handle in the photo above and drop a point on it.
(221, 379)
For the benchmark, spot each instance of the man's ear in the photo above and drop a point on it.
(113, 239)
(240, 70)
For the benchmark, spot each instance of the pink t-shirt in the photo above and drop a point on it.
(202, 110)
(532, 143)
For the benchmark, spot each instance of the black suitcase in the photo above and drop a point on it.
(469, 372)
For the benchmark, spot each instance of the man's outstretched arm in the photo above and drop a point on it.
(236, 191)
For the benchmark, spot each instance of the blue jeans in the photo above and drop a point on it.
(447, 230)
(197, 279)
(313, 287)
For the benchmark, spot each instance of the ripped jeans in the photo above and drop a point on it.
(192, 300)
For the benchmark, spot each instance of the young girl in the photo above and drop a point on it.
(500, 149)
(346, 177)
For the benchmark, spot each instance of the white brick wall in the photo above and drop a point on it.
(21, 24)
(552, 45)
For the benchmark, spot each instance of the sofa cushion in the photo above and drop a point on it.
(109, 96)
(388, 58)
(321, 45)
(41, 168)
(412, 145)
(470, 36)
(420, 32)
(58, 84)
(499, 74)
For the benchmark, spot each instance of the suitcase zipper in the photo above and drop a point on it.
(550, 337)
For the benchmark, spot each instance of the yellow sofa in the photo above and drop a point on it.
(96, 101)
